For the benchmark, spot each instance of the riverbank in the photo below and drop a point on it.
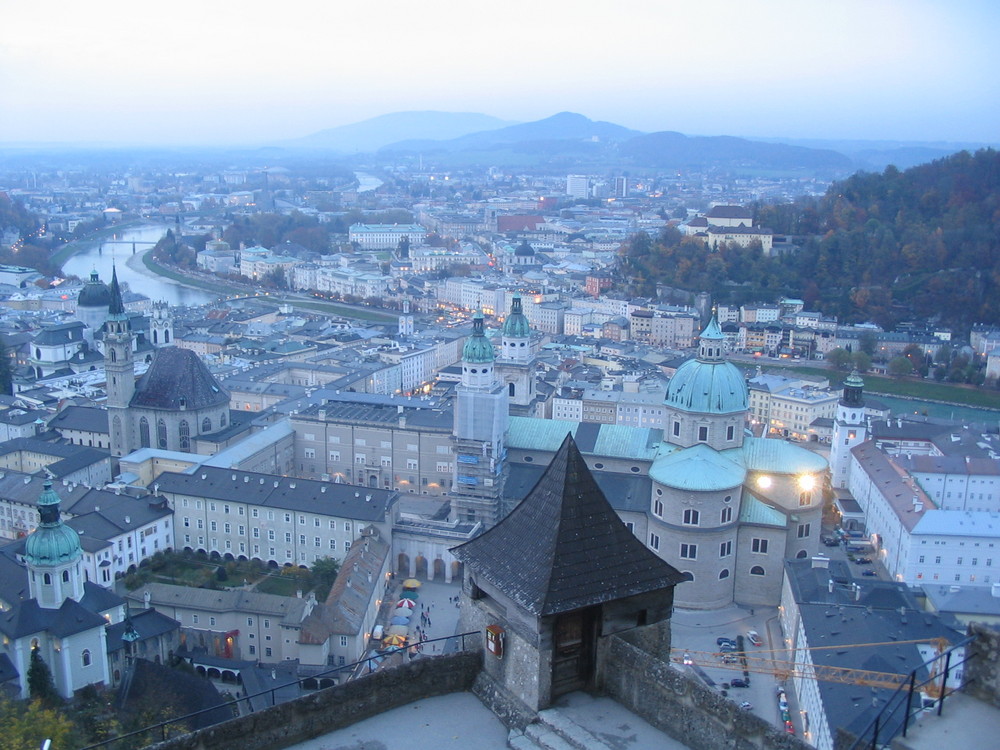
(70, 249)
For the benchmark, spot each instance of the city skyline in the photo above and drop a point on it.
(237, 74)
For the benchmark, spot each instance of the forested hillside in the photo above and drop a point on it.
(922, 243)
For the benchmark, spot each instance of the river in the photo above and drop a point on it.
(105, 254)
(367, 182)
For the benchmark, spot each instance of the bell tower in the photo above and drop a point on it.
(849, 429)
(119, 368)
(479, 434)
(517, 358)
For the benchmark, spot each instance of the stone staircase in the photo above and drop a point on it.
(554, 730)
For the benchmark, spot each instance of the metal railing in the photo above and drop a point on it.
(909, 699)
(163, 730)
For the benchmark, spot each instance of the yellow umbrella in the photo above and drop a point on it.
(411, 583)
(394, 640)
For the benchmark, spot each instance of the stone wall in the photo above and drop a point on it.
(982, 671)
(681, 707)
(337, 707)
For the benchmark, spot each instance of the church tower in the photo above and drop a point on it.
(406, 320)
(849, 429)
(161, 325)
(54, 556)
(516, 362)
(479, 433)
(119, 369)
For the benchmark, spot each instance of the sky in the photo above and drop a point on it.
(217, 72)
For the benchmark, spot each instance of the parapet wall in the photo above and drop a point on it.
(336, 707)
(681, 707)
(982, 670)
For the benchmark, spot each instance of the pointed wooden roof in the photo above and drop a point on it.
(564, 547)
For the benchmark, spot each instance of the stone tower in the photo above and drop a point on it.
(161, 325)
(849, 429)
(479, 434)
(119, 368)
(554, 579)
(406, 320)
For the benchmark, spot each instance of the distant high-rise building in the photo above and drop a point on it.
(578, 186)
(621, 187)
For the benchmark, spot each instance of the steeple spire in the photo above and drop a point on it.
(116, 310)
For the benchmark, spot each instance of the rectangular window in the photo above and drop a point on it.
(309, 453)
(759, 546)
(730, 432)
(702, 434)
(343, 641)
(725, 549)
(803, 530)
(334, 455)
(254, 513)
(228, 528)
(658, 508)
(689, 551)
(677, 429)
(654, 541)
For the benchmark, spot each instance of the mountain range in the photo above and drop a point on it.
(569, 140)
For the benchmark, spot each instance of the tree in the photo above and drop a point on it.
(900, 366)
(6, 377)
(867, 343)
(862, 362)
(324, 573)
(26, 726)
(41, 686)
(840, 358)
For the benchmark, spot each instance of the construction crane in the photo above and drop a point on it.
(776, 662)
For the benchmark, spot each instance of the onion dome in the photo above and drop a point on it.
(708, 384)
(477, 347)
(95, 293)
(53, 542)
(516, 325)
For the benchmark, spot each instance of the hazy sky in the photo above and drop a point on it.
(246, 71)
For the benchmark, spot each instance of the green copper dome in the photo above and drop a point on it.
(53, 542)
(516, 325)
(708, 384)
(478, 348)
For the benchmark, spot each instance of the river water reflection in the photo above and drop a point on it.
(117, 253)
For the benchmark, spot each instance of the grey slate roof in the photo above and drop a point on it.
(147, 622)
(273, 491)
(564, 547)
(177, 377)
(82, 418)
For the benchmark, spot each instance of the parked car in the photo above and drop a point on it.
(739, 683)
(754, 637)
(863, 560)
(830, 541)
(789, 727)
(723, 641)
(746, 705)
(727, 647)
(869, 572)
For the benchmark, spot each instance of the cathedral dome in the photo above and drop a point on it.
(178, 379)
(478, 348)
(53, 542)
(524, 250)
(516, 325)
(95, 293)
(708, 384)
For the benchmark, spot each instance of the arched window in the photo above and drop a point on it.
(687, 575)
(166, 336)
(691, 517)
(756, 570)
(206, 425)
(161, 433)
(85, 656)
(114, 354)
(47, 579)
(65, 576)
(38, 353)
(801, 554)
(222, 420)
(144, 432)
(510, 390)
(155, 336)
(724, 573)
(184, 432)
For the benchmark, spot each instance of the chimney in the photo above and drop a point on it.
(146, 597)
(918, 504)
(857, 592)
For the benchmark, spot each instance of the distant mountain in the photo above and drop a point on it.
(874, 156)
(557, 129)
(373, 134)
(671, 150)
